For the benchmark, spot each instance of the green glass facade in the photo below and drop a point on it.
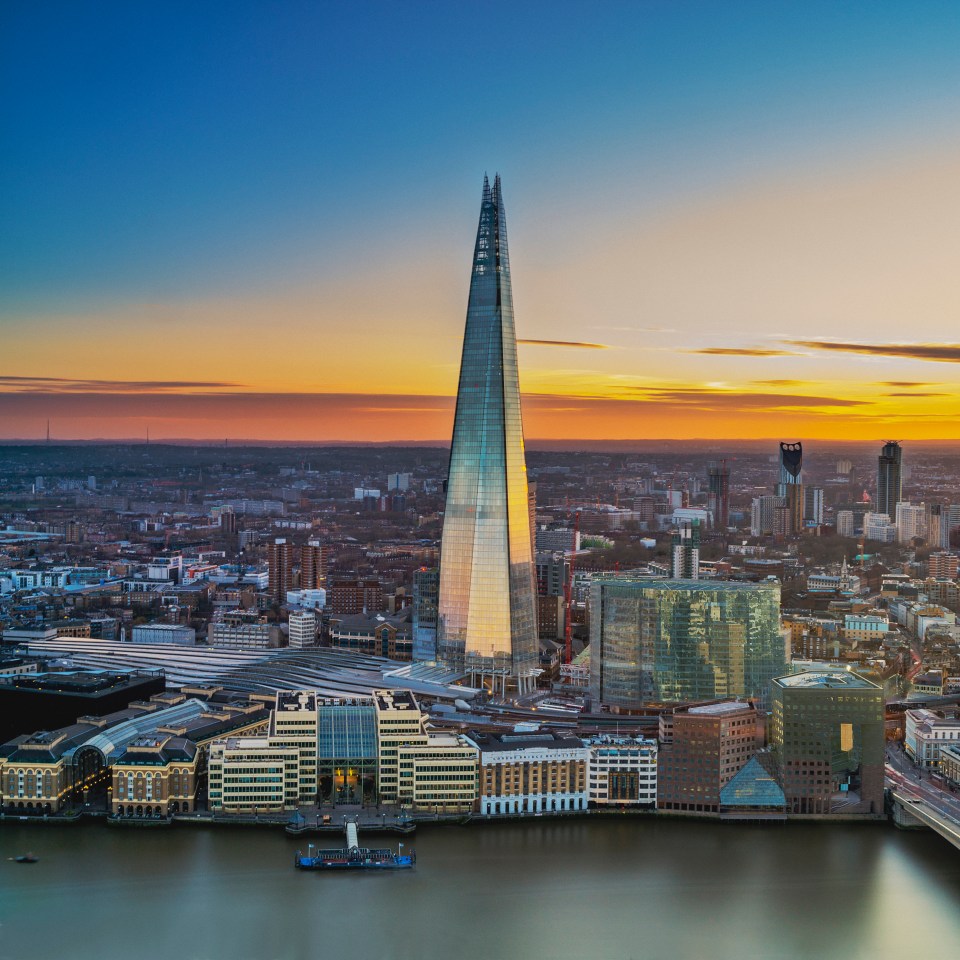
(827, 735)
(487, 597)
(671, 641)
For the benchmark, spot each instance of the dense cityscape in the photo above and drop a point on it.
(322, 636)
(616, 615)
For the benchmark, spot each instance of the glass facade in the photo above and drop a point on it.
(671, 641)
(487, 598)
(347, 751)
(426, 584)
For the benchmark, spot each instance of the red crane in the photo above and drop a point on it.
(568, 595)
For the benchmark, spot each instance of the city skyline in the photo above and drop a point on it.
(242, 222)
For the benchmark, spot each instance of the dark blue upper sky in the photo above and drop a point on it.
(167, 149)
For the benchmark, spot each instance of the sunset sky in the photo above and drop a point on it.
(255, 220)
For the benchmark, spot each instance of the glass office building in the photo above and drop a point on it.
(671, 641)
(889, 479)
(347, 750)
(487, 598)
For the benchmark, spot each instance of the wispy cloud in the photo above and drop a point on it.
(18, 384)
(743, 352)
(940, 352)
(566, 343)
(916, 393)
(709, 399)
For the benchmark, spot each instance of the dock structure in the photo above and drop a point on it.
(911, 811)
(353, 856)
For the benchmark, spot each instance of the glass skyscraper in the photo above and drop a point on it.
(670, 641)
(890, 479)
(487, 599)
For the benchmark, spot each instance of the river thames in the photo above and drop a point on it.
(631, 888)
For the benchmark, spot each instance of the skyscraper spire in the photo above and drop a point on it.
(487, 601)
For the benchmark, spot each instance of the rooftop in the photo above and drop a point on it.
(834, 680)
(721, 709)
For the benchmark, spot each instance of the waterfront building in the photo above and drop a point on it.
(827, 735)
(41, 771)
(669, 641)
(622, 771)
(950, 763)
(709, 744)
(165, 633)
(426, 588)
(439, 774)
(889, 479)
(303, 629)
(294, 724)
(927, 732)
(753, 792)
(50, 700)
(487, 597)
(399, 723)
(529, 773)
(346, 749)
(252, 775)
(155, 776)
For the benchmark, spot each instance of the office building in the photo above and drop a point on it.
(302, 627)
(927, 732)
(243, 630)
(487, 596)
(719, 493)
(769, 515)
(812, 506)
(294, 724)
(685, 551)
(156, 776)
(253, 775)
(426, 587)
(710, 744)
(879, 526)
(621, 771)
(889, 479)
(375, 634)
(827, 736)
(347, 749)
(165, 633)
(911, 521)
(846, 526)
(669, 641)
(536, 772)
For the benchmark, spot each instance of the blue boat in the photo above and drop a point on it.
(354, 857)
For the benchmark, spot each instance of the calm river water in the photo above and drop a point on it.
(606, 888)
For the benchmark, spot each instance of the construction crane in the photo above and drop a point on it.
(568, 594)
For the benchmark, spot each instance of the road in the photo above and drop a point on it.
(930, 787)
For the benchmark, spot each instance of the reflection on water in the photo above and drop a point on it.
(619, 889)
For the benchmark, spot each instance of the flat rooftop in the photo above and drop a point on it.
(720, 709)
(833, 680)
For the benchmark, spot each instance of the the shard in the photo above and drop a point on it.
(487, 624)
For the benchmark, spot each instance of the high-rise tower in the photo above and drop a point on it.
(890, 478)
(790, 485)
(719, 474)
(487, 623)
